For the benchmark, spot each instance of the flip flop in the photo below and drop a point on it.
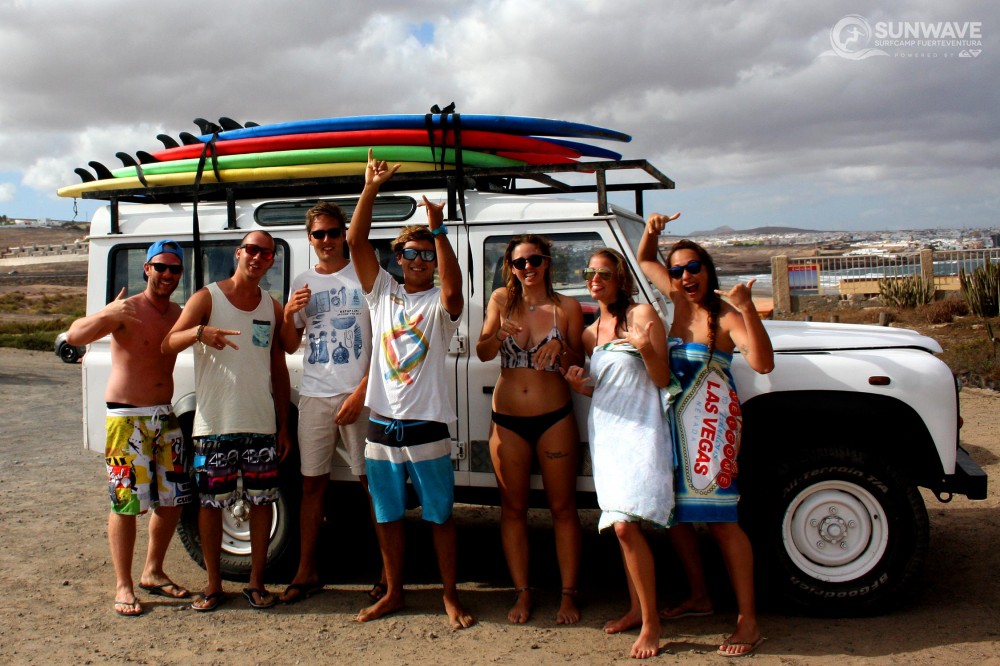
(161, 590)
(378, 591)
(210, 601)
(302, 591)
(746, 649)
(665, 614)
(128, 608)
(266, 598)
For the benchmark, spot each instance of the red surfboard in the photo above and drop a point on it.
(471, 139)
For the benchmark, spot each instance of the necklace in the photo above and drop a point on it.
(163, 312)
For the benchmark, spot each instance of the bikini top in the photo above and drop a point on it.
(512, 356)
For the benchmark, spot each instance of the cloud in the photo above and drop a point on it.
(7, 191)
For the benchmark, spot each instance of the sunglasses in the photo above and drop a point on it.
(591, 273)
(534, 260)
(323, 234)
(175, 269)
(693, 267)
(427, 255)
(254, 250)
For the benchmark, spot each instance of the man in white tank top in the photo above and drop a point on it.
(242, 391)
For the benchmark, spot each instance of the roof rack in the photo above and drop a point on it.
(483, 179)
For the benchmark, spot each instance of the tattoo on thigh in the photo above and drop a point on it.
(555, 455)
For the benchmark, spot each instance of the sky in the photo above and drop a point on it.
(816, 115)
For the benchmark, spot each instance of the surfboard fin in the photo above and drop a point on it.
(103, 172)
(228, 124)
(84, 175)
(127, 160)
(167, 141)
(207, 126)
(189, 139)
(251, 123)
(145, 158)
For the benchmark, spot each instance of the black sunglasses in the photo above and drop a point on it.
(693, 267)
(254, 250)
(535, 260)
(427, 255)
(323, 234)
(175, 269)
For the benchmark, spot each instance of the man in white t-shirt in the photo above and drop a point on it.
(408, 435)
(328, 309)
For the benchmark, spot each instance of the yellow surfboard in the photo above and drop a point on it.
(239, 175)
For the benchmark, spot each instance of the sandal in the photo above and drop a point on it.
(266, 598)
(128, 608)
(209, 602)
(378, 591)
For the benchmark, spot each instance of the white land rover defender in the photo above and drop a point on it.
(837, 439)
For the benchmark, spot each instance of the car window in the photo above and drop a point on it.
(569, 257)
(218, 263)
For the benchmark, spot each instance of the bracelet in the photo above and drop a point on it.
(440, 231)
(198, 332)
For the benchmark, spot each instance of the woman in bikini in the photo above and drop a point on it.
(630, 442)
(705, 332)
(536, 331)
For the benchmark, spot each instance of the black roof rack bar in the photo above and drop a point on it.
(495, 179)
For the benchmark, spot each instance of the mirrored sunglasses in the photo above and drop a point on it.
(323, 234)
(427, 255)
(254, 250)
(693, 267)
(591, 273)
(175, 269)
(534, 260)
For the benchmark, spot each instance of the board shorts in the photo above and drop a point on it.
(144, 454)
(395, 450)
(220, 461)
(319, 436)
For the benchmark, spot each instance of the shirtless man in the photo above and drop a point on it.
(144, 450)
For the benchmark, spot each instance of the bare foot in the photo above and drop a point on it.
(390, 603)
(520, 612)
(568, 611)
(457, 616)
(630, 620)
(744, 640)
(648, 643)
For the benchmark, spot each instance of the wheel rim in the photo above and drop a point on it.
(67, 353)
(236, 527)
(835, 531)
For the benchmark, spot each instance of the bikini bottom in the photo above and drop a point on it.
(531, 428)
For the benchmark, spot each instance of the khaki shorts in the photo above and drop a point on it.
(319, 437)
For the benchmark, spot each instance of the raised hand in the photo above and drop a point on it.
(637, 336)
(377, 171)
(435, 212)
(656, 223)
(216, 337)
(739, 296)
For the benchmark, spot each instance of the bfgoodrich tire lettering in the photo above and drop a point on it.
(848, 534)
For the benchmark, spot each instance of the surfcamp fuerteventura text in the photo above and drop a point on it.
(854, 38)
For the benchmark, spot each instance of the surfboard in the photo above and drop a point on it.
(239, 175)
(491, 123)
(474, 139)
(391, 154)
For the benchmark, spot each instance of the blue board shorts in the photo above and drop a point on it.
(144, 454)
(221, 460)
(395, 450)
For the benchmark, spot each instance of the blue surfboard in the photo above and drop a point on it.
(506, 124)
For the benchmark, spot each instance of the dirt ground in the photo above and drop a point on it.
(57, 579)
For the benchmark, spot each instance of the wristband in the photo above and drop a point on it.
(198, 332)
(440, 231)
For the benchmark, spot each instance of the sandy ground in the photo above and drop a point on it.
(56, 577)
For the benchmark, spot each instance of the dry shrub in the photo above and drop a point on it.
(944, 312)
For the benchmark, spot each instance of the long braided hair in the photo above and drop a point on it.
(626, 285)
(713, 302)
(515, 294)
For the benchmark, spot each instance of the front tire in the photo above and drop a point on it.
(68, 353)
(843, 532)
